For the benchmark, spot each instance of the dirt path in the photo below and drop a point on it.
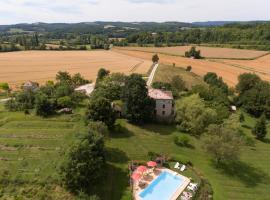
(152, 75)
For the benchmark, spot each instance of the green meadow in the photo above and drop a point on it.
(32, 149)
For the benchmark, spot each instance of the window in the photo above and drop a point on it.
(163, 112)
(163, 106)
(155, 112)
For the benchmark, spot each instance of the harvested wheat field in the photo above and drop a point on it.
(207, 52)
(228, 72)
(41, 66)
(260, 65)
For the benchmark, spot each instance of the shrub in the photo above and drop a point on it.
(64, 102)
(193, 53)
(182, 140)
(155, 58)
(189, 68)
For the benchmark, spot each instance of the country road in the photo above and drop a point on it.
(152, 75)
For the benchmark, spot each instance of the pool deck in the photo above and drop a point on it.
(137, 190)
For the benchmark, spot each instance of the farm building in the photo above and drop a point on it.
(164, 103)
(86, 89)
(30, 86)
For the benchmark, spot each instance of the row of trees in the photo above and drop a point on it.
(50, 97)
(257, 34)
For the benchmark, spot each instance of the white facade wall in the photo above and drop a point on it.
(164, 108)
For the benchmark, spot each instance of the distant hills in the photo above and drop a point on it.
(101, 27)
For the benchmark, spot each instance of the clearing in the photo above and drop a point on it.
(207, 52)
(41, 66)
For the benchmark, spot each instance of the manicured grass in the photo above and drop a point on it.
(32, 149)
(247, 179)
(165, 73)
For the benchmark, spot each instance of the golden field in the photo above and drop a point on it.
(41, 66)
(207, 52)
(223, 68)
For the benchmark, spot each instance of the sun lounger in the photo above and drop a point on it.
(183, 168)
(176, 166)
(194, 185)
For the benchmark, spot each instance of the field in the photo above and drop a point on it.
(207, 52)
(41, 66)
(227, 71)
(165, 73)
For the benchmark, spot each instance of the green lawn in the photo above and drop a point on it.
(32, 149)
(247, 179)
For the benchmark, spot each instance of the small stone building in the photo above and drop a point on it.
(30, 86)
(164, 104)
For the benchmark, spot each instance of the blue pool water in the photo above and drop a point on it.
(162, 188)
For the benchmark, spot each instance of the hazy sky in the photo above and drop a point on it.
(19, 11)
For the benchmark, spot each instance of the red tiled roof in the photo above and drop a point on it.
(160, 94)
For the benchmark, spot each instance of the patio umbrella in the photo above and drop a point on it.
(141, 169)
(151, 164)
(136, 176)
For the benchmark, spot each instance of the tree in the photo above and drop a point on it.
(99, 127)
(189, 68)
(78, 80)
(212, 79)
(193, 53)
(25, 100)
(4, 86)
(139, 106)
(100, 109)
(192, 115)
(256, 99)
(65, 102)
(102, 73)
(111, 87)
(246, 82)
(84, 164)
(223, 143)
(155, 58)
(63, 90)
(260, 129)
(64, 78)
(43, 105)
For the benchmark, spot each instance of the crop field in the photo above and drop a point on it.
(260, 65)
(41, 66)
(222, 67)
(207, 52)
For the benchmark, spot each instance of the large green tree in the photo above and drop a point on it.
(85, 163)
(139, 106)
(223, 143)
(100, 109)
(193, 116)
(212, 79)
(43, 105)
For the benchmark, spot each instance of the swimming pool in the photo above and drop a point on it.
(163, 187)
